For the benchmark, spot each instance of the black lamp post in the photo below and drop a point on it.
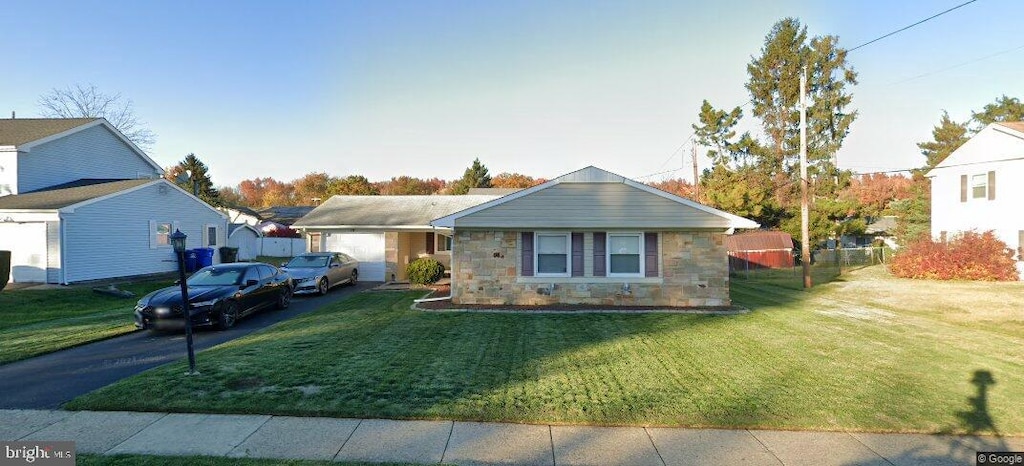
(178, 242)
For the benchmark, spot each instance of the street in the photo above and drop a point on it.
(48, 381)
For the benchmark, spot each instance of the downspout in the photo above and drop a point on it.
(451, 280)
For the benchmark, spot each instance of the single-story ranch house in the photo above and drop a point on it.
(588, 237)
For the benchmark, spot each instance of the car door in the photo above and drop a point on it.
(335, 270)
(250, 293)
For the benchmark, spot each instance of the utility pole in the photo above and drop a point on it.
(805, 242)
(696, 181)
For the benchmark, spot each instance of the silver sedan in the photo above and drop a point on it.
(317, 272)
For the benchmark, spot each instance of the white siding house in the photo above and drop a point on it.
(978, 187)
(79, 202)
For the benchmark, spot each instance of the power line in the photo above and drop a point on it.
(872, 41)
(958, 65)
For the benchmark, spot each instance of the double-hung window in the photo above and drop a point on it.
(979, 186)
(161, 233)
(625, 255)
(551, 254)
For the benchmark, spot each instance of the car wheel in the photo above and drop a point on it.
(323, 287)
(228, 316)
(354, 278)
(285, 298)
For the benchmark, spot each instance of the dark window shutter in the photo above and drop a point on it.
(650, 254)
(527, 253)
(577, 254)
(430, 243)
(963, 188)
(991, 186)
(600, 242)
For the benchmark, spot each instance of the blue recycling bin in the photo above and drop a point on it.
(205, 257)
(191, 259)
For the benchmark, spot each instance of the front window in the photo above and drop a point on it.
(444, 243)
(552, 254)
(625, 257)
(163, 234)
(979, 186)
(213, 276)
(308, 262)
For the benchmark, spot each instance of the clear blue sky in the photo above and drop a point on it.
(384, 88)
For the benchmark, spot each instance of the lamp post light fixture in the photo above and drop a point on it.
(178, 242)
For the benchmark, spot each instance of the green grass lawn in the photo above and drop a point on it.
(33, 322)
(867, 352)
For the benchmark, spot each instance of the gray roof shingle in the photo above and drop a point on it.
(18, 131)
(388, 211)
(53, 199)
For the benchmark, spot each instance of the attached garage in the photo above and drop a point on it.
(367, 248)
(27, 243)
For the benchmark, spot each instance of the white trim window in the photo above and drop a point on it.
(443, 243)
(979, 186)
(160, 234)
(551, 254)
(625, 257)
(211, 235)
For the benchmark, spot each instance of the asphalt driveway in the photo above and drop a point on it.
(48, 381)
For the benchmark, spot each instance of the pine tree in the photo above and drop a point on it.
(947, 136)
(192, 175)
(476, 176)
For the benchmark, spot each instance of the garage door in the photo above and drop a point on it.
(368, 248)
(27, 243)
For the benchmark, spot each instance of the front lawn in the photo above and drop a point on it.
(33, 322)
(867, 352)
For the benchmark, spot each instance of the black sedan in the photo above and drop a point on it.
(219, 294)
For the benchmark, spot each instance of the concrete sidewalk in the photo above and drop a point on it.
(473, 443)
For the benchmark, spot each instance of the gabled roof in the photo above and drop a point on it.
(493, 191)
(997, 142)
(760, 240)
(386, 211)
(60, 196)
(595, 176)
(18, 131)
(285, 215)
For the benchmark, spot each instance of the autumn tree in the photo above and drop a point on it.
(875, 192)
(260, 193)
(476, 176)
(405, 185)
(352, 185)
(192, 175)
(230, 197)
(677, 186)
(514, 180)
(81, 101)
(312, 187)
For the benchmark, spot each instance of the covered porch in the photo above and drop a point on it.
(403, 247)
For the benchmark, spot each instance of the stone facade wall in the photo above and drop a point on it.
(693, 271)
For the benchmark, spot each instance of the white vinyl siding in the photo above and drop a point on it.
(27, 243)
(112, 237)
(625, 254)
(212, 236)
(90, 153)
(52, 252)
(551, 256)
(8, 173)
(591, 205)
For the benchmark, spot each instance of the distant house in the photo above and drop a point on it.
(591, 237)
(967, 193)
(241, 215)
(385, 233)
(759, 249)
(284, 215)
(81, 202)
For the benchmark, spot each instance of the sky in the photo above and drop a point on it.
(421, 88)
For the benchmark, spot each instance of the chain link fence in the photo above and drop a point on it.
(826, 265)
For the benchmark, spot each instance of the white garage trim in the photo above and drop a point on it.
(27, 243)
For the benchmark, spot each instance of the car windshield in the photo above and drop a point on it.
(216, 277)
(305, 262)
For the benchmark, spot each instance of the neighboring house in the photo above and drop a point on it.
(591, 237)
(241, 215)
(85, 203)
(246, 238)
(284, 215)
(878, 229)
(384, 233)
(978, 187)
(759, 250)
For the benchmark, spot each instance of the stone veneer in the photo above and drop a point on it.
(693, 269)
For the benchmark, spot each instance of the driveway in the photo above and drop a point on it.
(48, 381)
